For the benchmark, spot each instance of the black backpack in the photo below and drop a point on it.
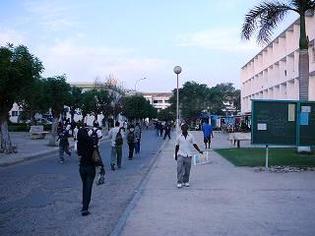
(118, 139)
(94, 138)
(131, 137)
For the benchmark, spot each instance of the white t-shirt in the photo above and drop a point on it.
(185, 144)
(112, 134)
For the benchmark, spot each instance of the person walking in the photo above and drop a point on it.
(131, 139)
(116, 137)
(183, 155)
(63, 145)
(87, 167)
(207, 134)
(138, 134)
(167, 131)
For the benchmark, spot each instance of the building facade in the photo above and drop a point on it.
(273, 72)
(159, 100)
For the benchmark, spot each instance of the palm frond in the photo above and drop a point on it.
(303, 6)
(264, 18)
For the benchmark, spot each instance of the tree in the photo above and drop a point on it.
(18, 70)
(137, 107)
(192, 99)
(89, 102)
(166, 114)
(195, 98)
(33, 100)
(57, 95)
(75, 100)
(266, 16)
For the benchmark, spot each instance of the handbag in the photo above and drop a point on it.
(96, 158)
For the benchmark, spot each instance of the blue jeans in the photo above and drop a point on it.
(137, 146)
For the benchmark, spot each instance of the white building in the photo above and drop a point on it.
(273, 72)
(159, 100)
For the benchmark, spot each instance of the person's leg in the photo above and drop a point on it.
(169, 135)
(209, 143)
(113, 158)
(61, 152)
(165, 135)
(67, 150)
(89, 174)
(180, 169)
(137, 146)
(205, 141)
(119, 154)
(187, 167)
(131, 148)
(83, 175)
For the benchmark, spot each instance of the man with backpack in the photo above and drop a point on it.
(96, 134)
(116, 136)
(131, 139)
(63, 145)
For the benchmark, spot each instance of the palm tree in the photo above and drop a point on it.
(265, 18)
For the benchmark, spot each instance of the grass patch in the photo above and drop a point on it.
(277, 157)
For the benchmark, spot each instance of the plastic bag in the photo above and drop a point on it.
(200, 159)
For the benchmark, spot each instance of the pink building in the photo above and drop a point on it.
(273, 72)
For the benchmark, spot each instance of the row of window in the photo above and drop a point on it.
(160, 101)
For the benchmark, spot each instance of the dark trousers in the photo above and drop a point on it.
(87, 173)
(167, 134)
(131, 149)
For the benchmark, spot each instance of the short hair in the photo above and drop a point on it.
(117, 123)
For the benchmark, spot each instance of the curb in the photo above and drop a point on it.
(137, 195)
(37, 155)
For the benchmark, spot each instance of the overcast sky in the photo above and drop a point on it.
(133, 39)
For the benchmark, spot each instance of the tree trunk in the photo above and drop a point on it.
(303, 61)
(6, 144)
(303, 74)
(53, 136)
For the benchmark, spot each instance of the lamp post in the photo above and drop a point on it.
(177, 71)
(138, 82)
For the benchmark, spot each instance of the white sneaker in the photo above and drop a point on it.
(187, 184)
(179, 185)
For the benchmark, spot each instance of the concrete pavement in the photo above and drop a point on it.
(222, 200)
(43, 197)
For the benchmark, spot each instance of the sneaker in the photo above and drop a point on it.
(85, 213)
(61, 161)
(112, 166)
(179, 185)
(187, 184)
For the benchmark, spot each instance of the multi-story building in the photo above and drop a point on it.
(273, 72)
(159, 100)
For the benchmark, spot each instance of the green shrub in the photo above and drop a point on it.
(18, 127)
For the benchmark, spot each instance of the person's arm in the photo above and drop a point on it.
(176, 151)
(197, 148)
(195, 145)
(99, 134)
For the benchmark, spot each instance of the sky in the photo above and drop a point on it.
(130, 40)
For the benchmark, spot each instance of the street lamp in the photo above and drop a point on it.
(177, 71)
(138, 82)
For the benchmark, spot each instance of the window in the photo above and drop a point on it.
(15, 113)
(158, 101)
(285, 73)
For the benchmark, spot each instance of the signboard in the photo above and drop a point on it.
(281, 122)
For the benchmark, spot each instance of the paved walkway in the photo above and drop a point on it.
(222, 200)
